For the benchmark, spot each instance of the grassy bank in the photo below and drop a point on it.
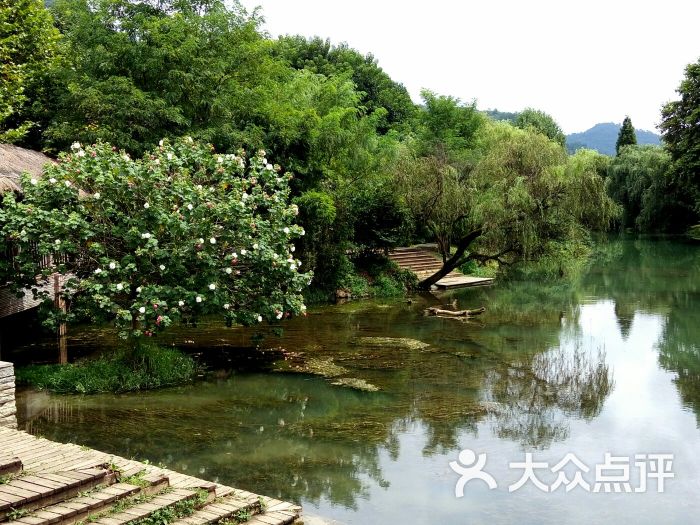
(145, 369)
(367, 276)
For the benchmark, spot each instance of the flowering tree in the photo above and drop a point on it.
(181, 232)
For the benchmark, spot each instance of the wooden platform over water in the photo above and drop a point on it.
(424, 262)
(49, 483)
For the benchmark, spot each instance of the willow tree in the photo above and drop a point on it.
(522, 199)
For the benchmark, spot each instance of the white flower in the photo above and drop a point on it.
(200, 187)
(292, 248)
(146, 235)
(138, 290)
(198, 299)
(146, 205)
(52, 180)
(269, 167)
(303, 307)
(80, 153)
(189, 207)
(97, 195)
(67, 183)
(255, 246)
(260, 319)
(126, 157)
(293, 267)
(157, 161)
(75, 145)
(162, 267)
(243, 252)
(279, 315)
(189, 139)
(227, 306)
(181, 303)
(170, 156)
(33, 182)
(98, 270)
(212, 286)
(112, 265)
(234, 255)
(302, 232)
(244, 196)
(212, 240)
(142, 310)
(299, 264)
(219, 159)
(286, 230)
(228, 271)
(160, 142)
(120, 286)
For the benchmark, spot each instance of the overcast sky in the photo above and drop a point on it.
(582, 62)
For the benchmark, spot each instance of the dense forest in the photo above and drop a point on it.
(371, 168)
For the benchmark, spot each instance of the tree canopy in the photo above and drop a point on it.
(540, 122)
(27, 48)
(680, 126)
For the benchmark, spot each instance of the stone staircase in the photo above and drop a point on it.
(420, 260)
(424, 262)
(64, 487)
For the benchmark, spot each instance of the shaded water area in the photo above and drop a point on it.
(608, 363)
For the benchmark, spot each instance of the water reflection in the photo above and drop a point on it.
(550, 367)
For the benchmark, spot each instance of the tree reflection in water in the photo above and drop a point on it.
(531, 401)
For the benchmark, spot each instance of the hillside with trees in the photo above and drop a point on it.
(603, 137)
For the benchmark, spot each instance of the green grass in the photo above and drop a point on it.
(694, 232)
(144, 369)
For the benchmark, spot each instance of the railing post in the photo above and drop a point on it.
(60, 303)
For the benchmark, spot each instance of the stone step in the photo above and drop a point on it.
(10, 465)
(144, 510)
(77, 509)
(36, 491)
(413, 253)
(421, 265)
(228, 508)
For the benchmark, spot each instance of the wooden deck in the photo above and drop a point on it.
(424, 262)
(49, 483)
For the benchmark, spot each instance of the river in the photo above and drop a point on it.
(569, 371)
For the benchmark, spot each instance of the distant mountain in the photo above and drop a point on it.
(602, 137)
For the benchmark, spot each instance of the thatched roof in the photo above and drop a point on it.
(14, 161)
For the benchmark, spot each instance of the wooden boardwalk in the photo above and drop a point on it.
(424, 262)
(48, 483)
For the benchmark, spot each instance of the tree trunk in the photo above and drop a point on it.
(453, 262)
(454, 313)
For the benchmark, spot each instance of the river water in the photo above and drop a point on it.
(568, 372)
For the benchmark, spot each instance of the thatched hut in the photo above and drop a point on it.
(14, 161)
